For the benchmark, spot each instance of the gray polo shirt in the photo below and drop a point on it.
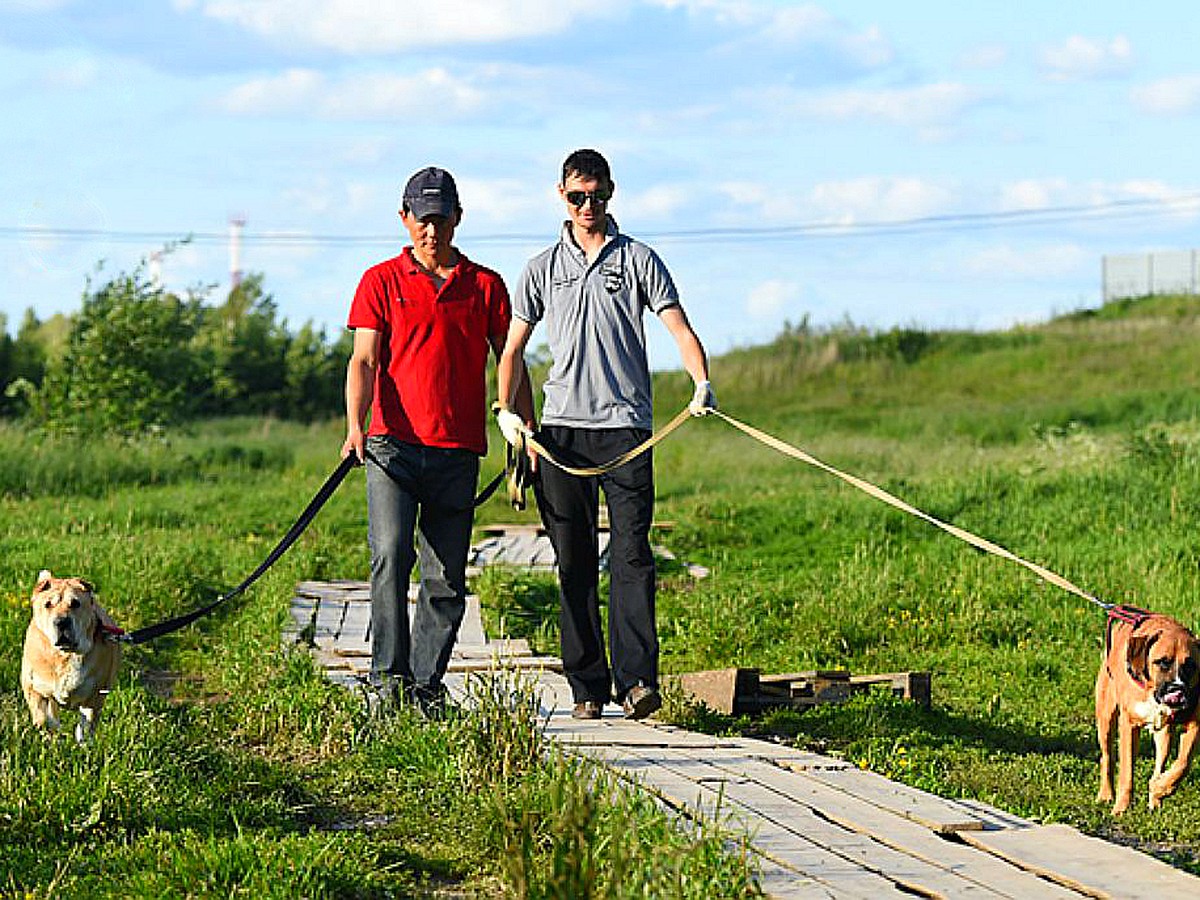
(600, 376)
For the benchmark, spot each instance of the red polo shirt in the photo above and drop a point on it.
(431, 382)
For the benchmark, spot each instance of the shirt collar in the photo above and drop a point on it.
(610, 233)
(412, 267)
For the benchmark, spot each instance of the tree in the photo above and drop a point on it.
(247, 350)
(315, 373)
(127, 366)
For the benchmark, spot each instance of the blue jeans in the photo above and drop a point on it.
(427, 492)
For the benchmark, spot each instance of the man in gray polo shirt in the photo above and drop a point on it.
(591, 288)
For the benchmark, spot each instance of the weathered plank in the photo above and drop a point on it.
(1086, 864)
(922, 807)
(813, 869)
(521, 663)
(896, 831)
(796, 835)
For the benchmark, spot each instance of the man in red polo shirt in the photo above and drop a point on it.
(423, 324)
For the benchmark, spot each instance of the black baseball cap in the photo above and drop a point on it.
(431, 192)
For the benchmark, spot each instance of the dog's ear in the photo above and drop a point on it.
(87, 585)
(1137, 656)
(43, 581)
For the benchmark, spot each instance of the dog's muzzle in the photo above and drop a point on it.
(1173, 694)
(64, 634)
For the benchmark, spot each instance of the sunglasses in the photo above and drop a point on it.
(578, 198)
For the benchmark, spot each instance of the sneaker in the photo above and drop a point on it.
(586, 709)
(641, 701)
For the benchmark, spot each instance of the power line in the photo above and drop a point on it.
(944, 223)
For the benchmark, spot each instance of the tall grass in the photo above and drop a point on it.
(225, 763)
(1076, 445)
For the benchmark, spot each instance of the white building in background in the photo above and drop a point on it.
(1142, 274)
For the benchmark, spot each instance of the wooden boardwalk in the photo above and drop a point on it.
(819, 826)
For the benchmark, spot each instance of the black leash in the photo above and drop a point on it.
(331, 484)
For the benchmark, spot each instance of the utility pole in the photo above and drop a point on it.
(236, 224)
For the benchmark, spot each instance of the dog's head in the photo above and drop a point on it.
(1166, 656)
(64, 610)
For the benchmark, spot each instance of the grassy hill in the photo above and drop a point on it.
(1075, 444)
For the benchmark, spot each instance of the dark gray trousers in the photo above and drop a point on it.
(428, 492)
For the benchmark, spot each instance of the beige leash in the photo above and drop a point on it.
(532, 443)
(865, 486)
(880, 494)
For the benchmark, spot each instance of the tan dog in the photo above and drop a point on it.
(68, 661)
(1150, 678)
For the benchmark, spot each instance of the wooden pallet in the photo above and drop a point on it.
(738, 691)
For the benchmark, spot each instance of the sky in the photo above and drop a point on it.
(917, 164)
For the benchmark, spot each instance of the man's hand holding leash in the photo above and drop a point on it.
(515, 431)
(704, 401)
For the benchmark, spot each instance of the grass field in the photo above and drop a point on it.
(225, 765)
(1075, 444)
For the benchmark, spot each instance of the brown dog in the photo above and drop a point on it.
(68, 662)
(1149, 678)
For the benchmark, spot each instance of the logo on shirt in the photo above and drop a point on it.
(613, 279)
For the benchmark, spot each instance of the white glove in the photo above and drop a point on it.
(704, 400)
(511, 426)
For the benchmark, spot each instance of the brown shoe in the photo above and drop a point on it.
(586, 709)
(641, 701)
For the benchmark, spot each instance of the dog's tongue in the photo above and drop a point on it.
(1174, 698)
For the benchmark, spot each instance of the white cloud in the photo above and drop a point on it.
(32, 6)
(786, 25)
(1169, 96)
(929, 105)
(1082, 58)
(856, 200)
(766, 299)
(1004, 261)
(1032, 193)
(659, 202)
(878, 199)
(986, 56)
(352, 26)
(501, 201)
(74, 75)
(755, 200)
(369, 96)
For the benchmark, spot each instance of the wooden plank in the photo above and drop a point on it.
(328, 622)
(790, 833)
(530, 663)
(919, 806)
(320, 589)
(511, 528)
(797, 760)
(838, 876)
(470, 631)
(915, 686)
(896, 831)
(505, 647)
(1086, 864)
(721, 690)
(828, 674)
(780, 883)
